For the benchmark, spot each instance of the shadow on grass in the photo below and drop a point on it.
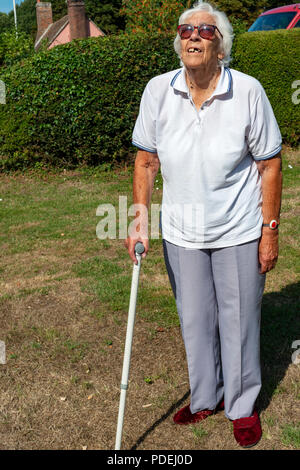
(280, 326)
(160, 420)
(279, 322)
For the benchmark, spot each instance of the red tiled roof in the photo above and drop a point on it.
(53, 31)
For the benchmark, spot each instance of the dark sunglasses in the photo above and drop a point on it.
(206, 31)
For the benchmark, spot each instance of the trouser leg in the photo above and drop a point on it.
(191, 278)
(239, 289)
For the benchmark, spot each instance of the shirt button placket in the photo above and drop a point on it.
(200, 116)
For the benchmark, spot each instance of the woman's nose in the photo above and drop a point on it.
(195, 34)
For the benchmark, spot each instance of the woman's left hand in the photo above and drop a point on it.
(268, 250)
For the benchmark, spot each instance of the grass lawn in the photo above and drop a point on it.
(63, 312)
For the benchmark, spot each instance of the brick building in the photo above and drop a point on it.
(74, 25)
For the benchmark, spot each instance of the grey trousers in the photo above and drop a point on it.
(218, 295)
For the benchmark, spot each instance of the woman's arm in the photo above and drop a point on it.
(271, 185)
(145, 170)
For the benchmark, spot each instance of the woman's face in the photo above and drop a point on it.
(197, 52)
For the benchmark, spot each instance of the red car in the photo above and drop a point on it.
(286, 17)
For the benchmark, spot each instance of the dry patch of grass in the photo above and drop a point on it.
(291, 156)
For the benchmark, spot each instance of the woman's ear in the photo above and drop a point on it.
(221, 55)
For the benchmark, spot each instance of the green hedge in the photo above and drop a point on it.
(273, 58)
(77, 103)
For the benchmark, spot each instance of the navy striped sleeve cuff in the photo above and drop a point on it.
(142, 147)
(268, 155)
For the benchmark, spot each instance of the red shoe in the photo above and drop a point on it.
(184, 416)
(247, 431)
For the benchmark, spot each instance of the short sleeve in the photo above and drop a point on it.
(264, 137)
(144, 132)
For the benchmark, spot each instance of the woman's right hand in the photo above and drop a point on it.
(130, 245)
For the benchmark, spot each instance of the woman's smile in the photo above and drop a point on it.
(193, 50)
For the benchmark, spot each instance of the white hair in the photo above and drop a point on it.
(222, 23)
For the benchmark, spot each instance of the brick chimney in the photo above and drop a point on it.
(43, 17)
(77, 19)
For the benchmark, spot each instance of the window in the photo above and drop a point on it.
(273, 21)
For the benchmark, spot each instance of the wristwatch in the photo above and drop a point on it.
(272, 225)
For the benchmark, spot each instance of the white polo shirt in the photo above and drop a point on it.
(211, 185)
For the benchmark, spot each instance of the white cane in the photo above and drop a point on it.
(139, 249)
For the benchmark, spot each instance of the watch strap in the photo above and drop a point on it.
(272, 225)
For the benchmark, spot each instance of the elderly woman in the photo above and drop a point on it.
(213, 132)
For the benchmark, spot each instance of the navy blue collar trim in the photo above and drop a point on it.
(226, 70)
(229, 78)
(175, 77)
